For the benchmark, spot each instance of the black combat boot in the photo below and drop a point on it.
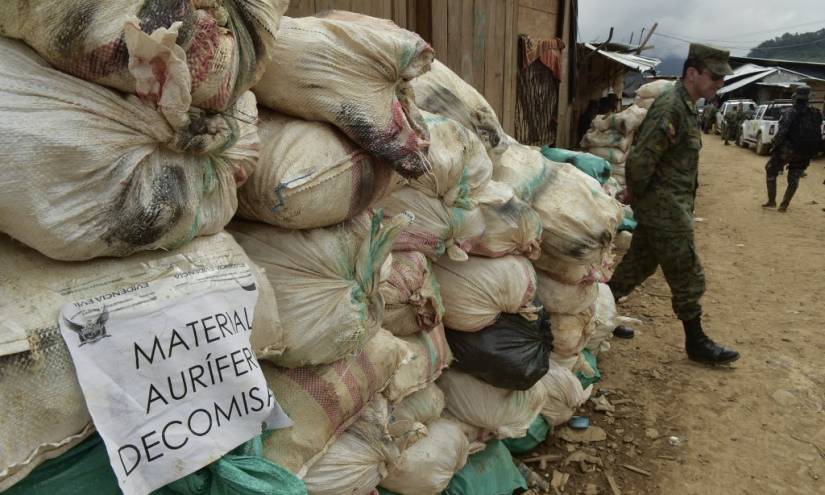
(771, 193)
(786, 200)
(624, 332)
(701, 348)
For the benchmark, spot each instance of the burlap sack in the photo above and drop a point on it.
(412, 297)
(430, 356)
(309, 175)
(325, 400)
(89, 173)
(354, 75)
(475, 292)
(443, 92)
(171, 54)
(326, 283)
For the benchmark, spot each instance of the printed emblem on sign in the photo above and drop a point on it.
(93, 330)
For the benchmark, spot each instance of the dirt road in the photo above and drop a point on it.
(759, 426)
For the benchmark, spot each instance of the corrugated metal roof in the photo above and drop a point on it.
(745, 70)
(761, 75)
(745, 81)
(636, 62)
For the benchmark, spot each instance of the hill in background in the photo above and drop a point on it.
(807, 47)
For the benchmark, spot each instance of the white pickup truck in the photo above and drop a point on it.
(761, 129)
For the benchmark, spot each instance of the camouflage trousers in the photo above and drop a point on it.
(676, 254)
(796, 167)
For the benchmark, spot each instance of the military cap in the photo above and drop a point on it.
(802, 93)
(715, 60)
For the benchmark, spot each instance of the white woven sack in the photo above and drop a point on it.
(357, 461)
(309, 175)
(475, 292)
(408, 417)
(436, 229)
(609, 138)
(571, 332)
(504, 413)
(352, 74)
(564, 270)
(89, 173)
(567, 362)
(523, 168)
(412, 297)
(611, 154)
(444, 92)
(644, 103)
(428, 465)
(430, 355)
(654, 89)
(626, 121)
(559, 297)
(423, 406)
(326, 283)
(613, 187)
(459, 166)
(42, 411)
(513, 227)
(564, 394)
(203, 53)
(327, 399)
(579, 220)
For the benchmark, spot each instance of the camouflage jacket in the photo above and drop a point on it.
(710, 112)
(799, 131)
(662, 167)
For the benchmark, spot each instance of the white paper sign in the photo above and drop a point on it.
(168, 373)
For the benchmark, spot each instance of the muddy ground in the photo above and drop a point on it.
(756, 427)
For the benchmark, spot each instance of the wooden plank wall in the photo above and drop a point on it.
(538, 18)
(564, 133)
(402, 12)
(477, 40)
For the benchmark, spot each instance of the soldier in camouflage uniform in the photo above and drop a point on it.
(796, 142)
(732, 119)
(710, 117)
(662, 172)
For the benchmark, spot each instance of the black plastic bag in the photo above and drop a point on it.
(512, 353)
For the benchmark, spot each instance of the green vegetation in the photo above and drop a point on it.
(808, 47)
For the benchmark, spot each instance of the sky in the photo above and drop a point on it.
(736, 25)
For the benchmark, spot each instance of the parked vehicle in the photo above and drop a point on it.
(761, 129)
(727, 107)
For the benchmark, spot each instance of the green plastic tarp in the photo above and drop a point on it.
(628, 224)
(594, 166)
(489, 472)
(536, 434)
(591, 361)
(85, 469)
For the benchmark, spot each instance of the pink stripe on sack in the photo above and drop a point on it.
(343, 367)
(201, 52)
(102, 61)
(320, 390)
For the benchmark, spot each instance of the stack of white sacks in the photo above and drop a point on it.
(462, 238)
(610, 136)
(367, 224)
(122, 153)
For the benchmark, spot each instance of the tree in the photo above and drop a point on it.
(806, 47)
